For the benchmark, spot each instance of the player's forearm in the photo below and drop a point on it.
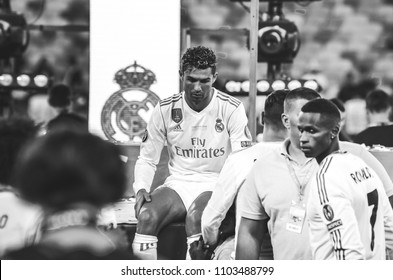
(143, 175)
(210, 224)
(248, 247)
(249, 239)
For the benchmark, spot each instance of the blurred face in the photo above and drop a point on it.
(197, 85)
(291, 119)
(315, 136)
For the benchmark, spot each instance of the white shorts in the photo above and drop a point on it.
(188, 191)
(226, 250)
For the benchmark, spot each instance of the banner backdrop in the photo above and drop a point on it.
(134, 62)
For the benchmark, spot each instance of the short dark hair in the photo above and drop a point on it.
(377, 101)
(15, 132)
(339, 104)
(69, 167)
(323, 106)
(199, 57)
(299, 93)
(59, 96)
(274, 107)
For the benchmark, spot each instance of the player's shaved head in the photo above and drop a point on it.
(274, 107)
(330, 115)
(299, 93)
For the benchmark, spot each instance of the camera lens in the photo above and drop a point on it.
(271, 42)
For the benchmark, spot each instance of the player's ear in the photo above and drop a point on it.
(180, 74)
(215, 77)
(335, 131)
(285, 120)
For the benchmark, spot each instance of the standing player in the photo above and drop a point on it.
(200, 126)
(348, 211)
(274, 195)
(235, 170)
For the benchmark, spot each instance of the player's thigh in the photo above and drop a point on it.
(165, 207)
(194, 213)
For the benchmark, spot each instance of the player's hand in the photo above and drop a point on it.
(141, 197)
(200, 251)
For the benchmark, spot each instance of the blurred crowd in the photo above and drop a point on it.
(58, 182)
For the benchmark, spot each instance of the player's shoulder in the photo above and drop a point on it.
(352, 148)
(340, 162)
(254, 152)
(226, 99)
(169, 101)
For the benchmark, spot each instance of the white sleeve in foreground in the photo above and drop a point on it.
(223, 196)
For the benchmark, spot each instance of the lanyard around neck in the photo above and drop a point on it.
(300, 186)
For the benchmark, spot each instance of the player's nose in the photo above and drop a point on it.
(197, 87)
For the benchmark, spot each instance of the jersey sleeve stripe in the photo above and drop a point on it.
(227, 96)
(228, 100)
(323, 197)
(170, 100)
(234, 100)
(337, 244)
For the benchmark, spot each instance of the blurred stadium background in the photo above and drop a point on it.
(345, 44)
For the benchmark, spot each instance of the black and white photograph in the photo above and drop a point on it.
(206, 139)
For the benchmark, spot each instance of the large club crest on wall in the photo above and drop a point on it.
(125, 114)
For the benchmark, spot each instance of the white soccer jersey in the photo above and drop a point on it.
(19, 222)
(198, 143)
(231, 177)
(349, 213)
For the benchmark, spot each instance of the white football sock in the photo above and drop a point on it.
(191, 239)
(144, 246)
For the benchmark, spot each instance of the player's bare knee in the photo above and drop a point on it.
(193, 222)
(148, 220)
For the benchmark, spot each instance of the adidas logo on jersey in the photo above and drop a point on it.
(178, 128)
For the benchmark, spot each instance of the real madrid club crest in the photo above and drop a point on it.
(219, 125)
(125, 114)
(177, 115)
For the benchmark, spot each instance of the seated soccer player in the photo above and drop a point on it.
(72, 175)
(20, 220)
(341, 224)
(201, 126)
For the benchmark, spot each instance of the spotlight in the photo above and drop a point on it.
(23, 80)
(263, 86)
(294, 84)
(6, 80)
(232, 86)
(311, 84)
(246, 86)
(41, 80)
(278, 84)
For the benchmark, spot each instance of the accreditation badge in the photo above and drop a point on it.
(296, 217)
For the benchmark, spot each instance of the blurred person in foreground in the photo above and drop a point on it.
(380, 128)
(341, 225)
(20, 220)
(275, 192)
(60, 98)
(201, 126)
(218, 220)
(72, 175)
